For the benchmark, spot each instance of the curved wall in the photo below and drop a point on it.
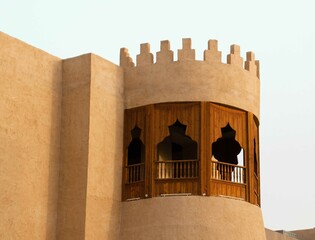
(191, 217)
(191, 80)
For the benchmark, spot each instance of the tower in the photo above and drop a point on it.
(191, 145)
(166, 149)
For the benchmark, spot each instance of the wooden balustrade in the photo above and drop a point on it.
(228, 172)
(175, 169)
(135, 173)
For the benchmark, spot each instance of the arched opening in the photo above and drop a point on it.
(136, 156)
(228, 157)
(177, 154)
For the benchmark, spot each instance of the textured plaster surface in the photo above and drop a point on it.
(74, 147)
(193, 217)
(105, 151)
(192, 81)
(30, 112)
(61, 134)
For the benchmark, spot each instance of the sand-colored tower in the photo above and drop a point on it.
(166, 149)
(191, 145)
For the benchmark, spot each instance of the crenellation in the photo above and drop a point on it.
(212, 55)
(165, 55)
(186, 53)
(125, 59)
(234, 58)
(250, 63)
(145, 57)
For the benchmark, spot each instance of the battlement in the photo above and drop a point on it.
(211, 55)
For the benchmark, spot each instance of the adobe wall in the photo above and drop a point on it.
(235, 83)
(91, 146)
(74, 147)
(103, 201)
(30, 110)
(191, 217)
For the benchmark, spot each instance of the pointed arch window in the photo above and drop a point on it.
(225, 151)
(177, 154)
(136, 157)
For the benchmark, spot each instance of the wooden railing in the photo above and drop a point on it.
(176, 169)
(228, 172)
(135, 173)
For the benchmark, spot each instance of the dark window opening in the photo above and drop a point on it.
(177, 154)
(225, 151)
(226, 148)
(136, 156)
(177, 146)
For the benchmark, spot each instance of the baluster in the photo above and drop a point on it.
(159, 169)
(233, 179)
(227, 175)
(197, 168)
(165, 170)
(219, 171)
(175, 169)
(170, 169)
(190, 167)
(128, 174)
(238, 174)
(187, 169)
(131, 173)
(244, 175)
(134, 174)
(224, 172)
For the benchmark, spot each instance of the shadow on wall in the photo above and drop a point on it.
(54, 154)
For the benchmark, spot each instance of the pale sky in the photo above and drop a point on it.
(281, 33)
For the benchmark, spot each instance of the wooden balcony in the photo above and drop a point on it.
(177, 169)
(228, 172)
(228, 180)
(134, 173)
(176, 177)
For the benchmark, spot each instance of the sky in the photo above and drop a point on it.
(281, 33)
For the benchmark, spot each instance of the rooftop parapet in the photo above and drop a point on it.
(211, 55)
(125, 59)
